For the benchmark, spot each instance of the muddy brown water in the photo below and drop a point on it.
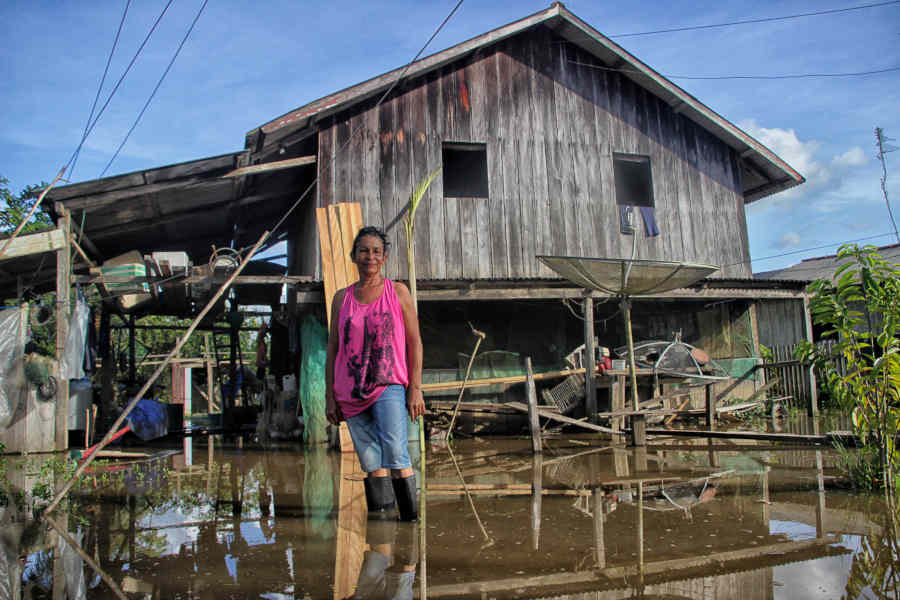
(227, 518)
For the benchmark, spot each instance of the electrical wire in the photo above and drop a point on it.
(377, 104)
(155, 89)
(832, 245)
(721, 77)
(102, 81)
(119, 82)
(760, 20)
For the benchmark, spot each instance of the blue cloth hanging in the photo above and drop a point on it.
(650, 226)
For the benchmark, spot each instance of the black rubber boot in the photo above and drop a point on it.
(381, 531)
(406, 545)
(379, 497)
(407, 503)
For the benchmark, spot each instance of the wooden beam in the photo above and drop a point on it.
(743, 435)
(558, 417)
(35, 243)
(101, 200)
(271, 166)
(63, 272)
(453, 385)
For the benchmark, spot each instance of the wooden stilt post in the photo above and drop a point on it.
(132, 352)
(812, 407)
(63, 273)
(210, 377)
(599, 541)
(590, 393)
(638, 430)
(532, 408)
(537, 479)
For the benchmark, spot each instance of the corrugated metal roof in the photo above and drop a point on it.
(820, 267)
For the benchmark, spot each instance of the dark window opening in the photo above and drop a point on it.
(465, 170)
(634, 183)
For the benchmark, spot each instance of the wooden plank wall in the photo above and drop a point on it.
(551, 126)
(781, 322)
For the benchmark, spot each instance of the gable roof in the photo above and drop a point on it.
(821, 267)
(764, 173)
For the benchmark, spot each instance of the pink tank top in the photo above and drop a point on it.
(371, 350)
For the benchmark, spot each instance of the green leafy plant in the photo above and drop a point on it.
(409, 221)
(860, 310)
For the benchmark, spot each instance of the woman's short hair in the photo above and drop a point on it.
(374, 232)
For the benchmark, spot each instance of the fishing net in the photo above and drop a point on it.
(314, 341)
(12, 349)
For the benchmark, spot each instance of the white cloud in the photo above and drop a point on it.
(853, 157)
(790, 239)
(799, 154)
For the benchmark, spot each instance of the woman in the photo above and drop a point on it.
(373, 374)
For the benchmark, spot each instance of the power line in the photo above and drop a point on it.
(102, 81)
(760, 20)
(377, 104)
(718, 77)
(831, 245)
(119, 82)
(155, 89)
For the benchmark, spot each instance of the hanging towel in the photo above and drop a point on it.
(649, 221)
(626, 219)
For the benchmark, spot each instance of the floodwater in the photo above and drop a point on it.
(230, 518)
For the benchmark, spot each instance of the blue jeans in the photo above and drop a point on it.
(380, 432)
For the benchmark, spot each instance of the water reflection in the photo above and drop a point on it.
(226, 519)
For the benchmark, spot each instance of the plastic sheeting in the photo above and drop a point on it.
(12, 350)
(72, 366)
(314, 341)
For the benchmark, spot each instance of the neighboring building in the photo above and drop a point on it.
(821, 267)
(778, 313)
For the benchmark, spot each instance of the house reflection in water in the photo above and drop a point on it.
(684, 520)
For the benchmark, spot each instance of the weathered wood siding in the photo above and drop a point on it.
(551, 126)
(781, 322)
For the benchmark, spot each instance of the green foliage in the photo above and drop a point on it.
(410, 222)
(861, 313)
(874, 572)
(16, 206)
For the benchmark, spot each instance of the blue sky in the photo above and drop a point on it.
(246, 63)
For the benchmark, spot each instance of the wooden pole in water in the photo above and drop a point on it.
(481, 335)
(590, 393)
(533, 422)
(626, 310)
(165, 363)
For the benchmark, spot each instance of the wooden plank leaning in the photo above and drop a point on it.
(172, 353)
